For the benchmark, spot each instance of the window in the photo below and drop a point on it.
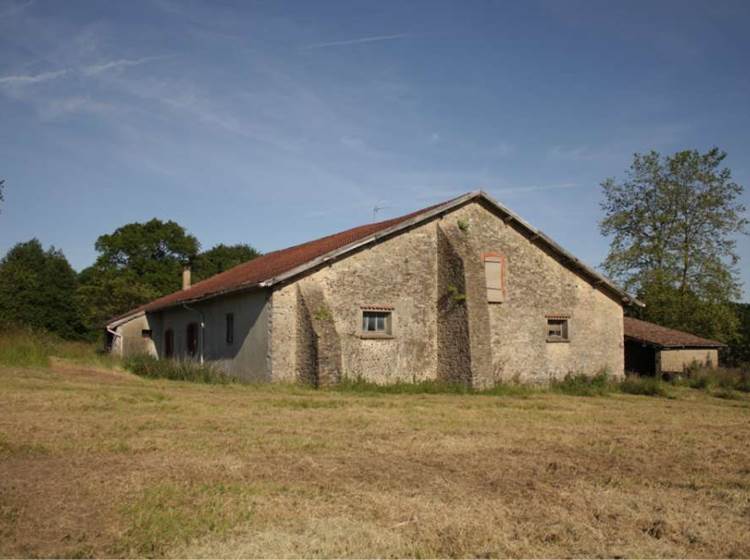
(230, 328)
(168, 343)
(557, 329)
(146, 333)
(494, 274)
(192, 339)
(376, 322)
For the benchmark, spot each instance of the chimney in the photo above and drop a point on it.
(186, 277)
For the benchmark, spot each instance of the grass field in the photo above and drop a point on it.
(97, 462)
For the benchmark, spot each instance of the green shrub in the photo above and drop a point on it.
(583, 385)
(649, 386)
(177, 370)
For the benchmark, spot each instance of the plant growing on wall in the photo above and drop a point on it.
(455, 294)
(463, 225)
(322, 314)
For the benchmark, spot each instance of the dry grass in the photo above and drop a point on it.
(101, 463)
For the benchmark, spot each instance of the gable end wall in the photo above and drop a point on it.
(506, 340)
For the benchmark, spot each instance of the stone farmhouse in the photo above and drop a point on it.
(464, 291)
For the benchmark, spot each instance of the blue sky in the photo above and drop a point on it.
(273, 123)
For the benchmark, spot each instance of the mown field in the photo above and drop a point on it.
(99, 462)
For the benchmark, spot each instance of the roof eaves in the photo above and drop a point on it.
(419, 218)
(557, 248)
(124, 319)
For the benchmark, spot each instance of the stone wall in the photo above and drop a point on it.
(399, 272)
(453, 342)
(443, 326)
(537, 284)
(676, 360)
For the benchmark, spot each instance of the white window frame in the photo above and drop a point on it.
(385, 313)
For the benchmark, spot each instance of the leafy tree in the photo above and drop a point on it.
(673, 222)
(738, 352)
(137, 263)
(220, 258)
(153, 253)
(38, 288)
(104, 293)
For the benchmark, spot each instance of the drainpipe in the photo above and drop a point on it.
(203, 329)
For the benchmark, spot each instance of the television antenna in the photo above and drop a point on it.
(376, 209)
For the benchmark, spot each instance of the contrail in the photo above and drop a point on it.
(361, 40)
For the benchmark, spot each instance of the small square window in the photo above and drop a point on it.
(376, 322)
(146, 333)
(230, 328)
(557, 330)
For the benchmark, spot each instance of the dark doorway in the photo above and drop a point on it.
(192, 339)
(639, 358)
(168, 343)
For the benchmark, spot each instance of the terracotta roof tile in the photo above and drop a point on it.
(268, 266)
(272, 265)
(651, 333)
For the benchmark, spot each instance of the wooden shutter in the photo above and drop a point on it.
(494, 277)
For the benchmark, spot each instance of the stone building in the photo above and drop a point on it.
(463, 291)
(651, 349)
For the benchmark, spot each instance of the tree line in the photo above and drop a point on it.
(135, 264)
(672, 222)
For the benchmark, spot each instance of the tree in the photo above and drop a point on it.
(153, 253)
(104, 293)
(673, 222)
(137, 263)
(738, 353)
(38, 288)
(2, 187)
(220, 258)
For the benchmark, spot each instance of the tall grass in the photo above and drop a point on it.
(721, 382)
(579, 384)
(583, 385)
(648, 386)
(177, 370)
(28, 347)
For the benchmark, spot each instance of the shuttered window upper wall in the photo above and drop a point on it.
(494, 276)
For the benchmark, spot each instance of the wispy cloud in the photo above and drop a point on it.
(358, 41)
(24, 80)
(94, 69)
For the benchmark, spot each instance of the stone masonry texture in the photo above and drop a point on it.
(432, 276)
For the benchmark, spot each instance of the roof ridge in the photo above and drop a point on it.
(280, 265)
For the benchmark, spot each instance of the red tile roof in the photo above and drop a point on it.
(651, 333)
(268, 266)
